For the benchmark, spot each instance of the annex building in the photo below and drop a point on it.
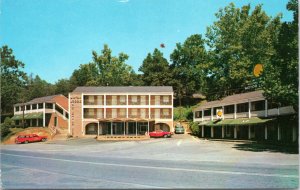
(120, 111)
(247, 116)
(48, 111)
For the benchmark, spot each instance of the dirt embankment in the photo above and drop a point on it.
(31, 130)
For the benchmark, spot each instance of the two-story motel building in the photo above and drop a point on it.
(120, 111)
(247, 116)
(48, 111)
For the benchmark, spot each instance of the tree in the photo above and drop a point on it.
(238, 41)
(112, 70)
(36, 87)
(13, 79)
(64, 86)
(189, 65)
(156, 70)
(280, 79)
(86, 75)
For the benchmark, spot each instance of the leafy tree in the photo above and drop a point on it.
(64, 86)
(86, 75)
(12, 79)
(189, 65)
(156, 70)
(8, 122)
(36, 87)
(280, 79)
(238, 41)
(112, 70)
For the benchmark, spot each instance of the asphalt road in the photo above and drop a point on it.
(179, 162)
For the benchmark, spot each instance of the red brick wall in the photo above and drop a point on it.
(62, 100)
(76, 114)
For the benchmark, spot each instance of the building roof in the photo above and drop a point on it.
(236, 98)
(48, 99)
(124, 89)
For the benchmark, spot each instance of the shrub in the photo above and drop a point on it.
(194, 128)
(182, 113)
(8, 122)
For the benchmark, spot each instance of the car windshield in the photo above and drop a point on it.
(178, 127)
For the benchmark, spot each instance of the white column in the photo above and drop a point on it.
(266, 132)
(202, 130)
(136, 128)
(212, 114)
(202, 115)
(148, 127)
(111, 128)
(104, 103)
(249, 109)
(223, 132)
(149, 104)
(53, 107)
(249, 132)
(294, 134)
(266, 108)
(212, 132)
(126, 106)
(31, 108)
(235, 132)
(44, 114)
(278, 133)
(235, 109)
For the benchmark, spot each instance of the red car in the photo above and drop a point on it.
(160, 133)
(30, 138)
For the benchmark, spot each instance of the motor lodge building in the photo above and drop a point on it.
(48, 111)
(247, 116)
(122, 112)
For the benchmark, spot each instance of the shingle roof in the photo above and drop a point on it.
(40, 100)
(125, 89)
(236, 98)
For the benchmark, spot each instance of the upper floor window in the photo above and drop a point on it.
(28, 107)
(207, 112)
(34, 106)
(228, 109)
(122, 100)
(258, 105)
(244, 107)
(165, 99)
(165, 112)
(143, 100)
(134, 99)
(114, 100)
(41, 105)
(49, 106)
(198, 114)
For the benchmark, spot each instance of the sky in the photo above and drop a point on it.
(53, 37)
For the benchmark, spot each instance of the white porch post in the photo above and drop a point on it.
(249, 132)
(249, 109)
(223, 131)
(278, 133)
(294, 134)
(37, 122)
(136, 128)
(235, 109)
(202, 130)
(235, 132)
(202, 115)
(266, 108)
(44, 114)
(266, 132)
(212, 114)
(212, 132)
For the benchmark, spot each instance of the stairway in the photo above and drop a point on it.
(61, 134)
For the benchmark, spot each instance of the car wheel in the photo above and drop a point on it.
(26, 142)
(44, 139)
(165, 136)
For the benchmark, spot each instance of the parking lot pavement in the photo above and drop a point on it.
(153, 163)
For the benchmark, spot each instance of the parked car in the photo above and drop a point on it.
(179, 129)
(160, 133)
(30, 138)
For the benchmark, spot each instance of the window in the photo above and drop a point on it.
(59, 109)
(17, 108)
(34, 106)
(242, 107)
(143, 100)
(49, 106)
(99, 100)
(229, 109)
(198, 114)
(122, 112)
(165, 112)
(207, 112)
(157, 100)
(165, 99)
(134, 99)
(258, 105)
(99, 113)
(123, 99)
(143, 113)
(114, 100)
(114, 113)
(134, 112)
(41, 105)
(28, 107)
